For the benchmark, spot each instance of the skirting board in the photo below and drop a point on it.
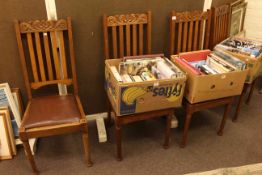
(32, 143)
(101, 130)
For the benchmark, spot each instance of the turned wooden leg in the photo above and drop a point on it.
(109, 109)
(223, 122)
(167, 133)
(251, 92)
(186, 127)
(118, 130)
(29, 156)
(240, 101)
(85, 139)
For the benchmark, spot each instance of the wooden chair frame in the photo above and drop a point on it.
(43, 75)
(219, 24)
(187, 30)
(131, 30)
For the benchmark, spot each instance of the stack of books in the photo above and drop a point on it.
(216, 63)
(146, 69)
(242, 46)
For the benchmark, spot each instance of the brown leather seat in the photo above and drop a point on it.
(51, 110)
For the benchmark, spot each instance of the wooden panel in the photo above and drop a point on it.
(185, 36)
(40, 56)
(62, 54)
(48, 58)
(121, 41)
(32, 56)
(55, 55)
(128, 40)
(190, 37)
(134, 33)
(128, 19)
(141, 39)
(179, 37)
(114, 36)
(43, 26)
(196, 35)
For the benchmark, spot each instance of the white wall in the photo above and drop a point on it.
(253, 20)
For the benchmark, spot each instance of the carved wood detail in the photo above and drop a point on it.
(190, 16)
(222, 10)
(43, 26)
(130, 19)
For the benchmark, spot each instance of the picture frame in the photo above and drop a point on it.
(5, 111)
(7, 100)
(238, 13)
(18, 100)
(5, 146)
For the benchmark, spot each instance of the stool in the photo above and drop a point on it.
(192, 108)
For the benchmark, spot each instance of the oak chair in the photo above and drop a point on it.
(219, 24)
(128, 35)
(43, 47)
(189, 31)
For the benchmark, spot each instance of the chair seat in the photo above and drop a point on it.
(51, 110)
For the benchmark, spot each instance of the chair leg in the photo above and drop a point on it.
(167, 133)
(85, 139)
(239, 104)
(186, 127)
(118, 130)
(109, 109)
(223, 122)
(251, 92)
(29, 156)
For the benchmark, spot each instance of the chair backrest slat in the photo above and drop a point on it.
(55, 55)
(219, 24)
(189, 31)
(128, 53)
(46, 60)
(126, 35)
(40, 56)
(134, 39)
(32, 56)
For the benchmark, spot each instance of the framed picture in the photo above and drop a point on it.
(5, 111)
(18, 100)
(238, 13)
(7, 100)
(5, 146)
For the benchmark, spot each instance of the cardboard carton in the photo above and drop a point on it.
(137, 97)
(254, 64)
(201, 88)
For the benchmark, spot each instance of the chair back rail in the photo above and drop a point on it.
(46, 61)
(220, 24)
(126, 35)
(187, 30)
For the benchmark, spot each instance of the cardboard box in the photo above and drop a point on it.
(201, 88)
(137, 97)
(254, 64)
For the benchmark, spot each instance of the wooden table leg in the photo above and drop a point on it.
(251, 92)
(241, 98)
(186, 127)
(167, 133)
(118, 139)
(223, 122)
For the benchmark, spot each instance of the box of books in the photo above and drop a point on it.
(246, 50)
(210, 76)
(143, 83)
